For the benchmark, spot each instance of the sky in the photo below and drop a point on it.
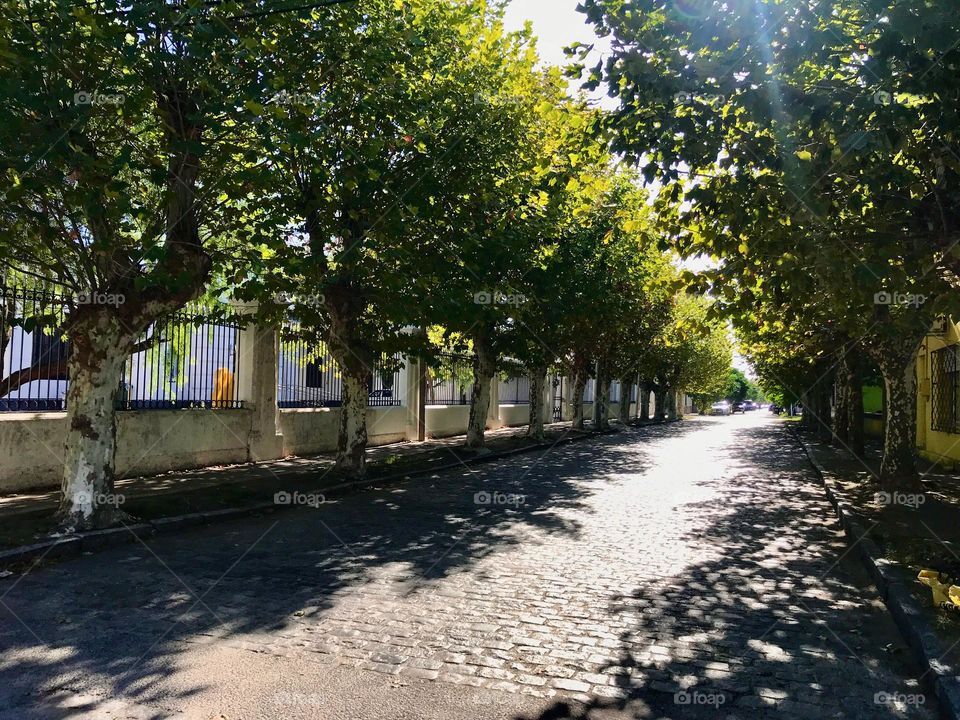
(556, 23)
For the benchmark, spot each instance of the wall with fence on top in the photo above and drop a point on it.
(207, 387)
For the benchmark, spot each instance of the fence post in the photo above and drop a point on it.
(413, 400)
(259, 352)
(493, 412)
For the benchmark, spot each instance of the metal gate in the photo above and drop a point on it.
(557, 399)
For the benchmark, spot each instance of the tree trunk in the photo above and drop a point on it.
(841, 418)
(538, 383)
(898, 469)
(579, 386)
(806, 412)
(643, 412)
(671, 401)
(100, 345)
(658, 402)
(626, 390)
(484, 367)
(352, 436)
(825, 425)
(344, 303)
(601, 403)
(855, 404)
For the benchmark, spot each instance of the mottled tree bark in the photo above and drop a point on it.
(100, 346)
(580, 376)
(626, 390)
(898, 469)
(601, 403)
(538, 383)
(855, 404)
(643, 412)
(659, 402)
(484, 368)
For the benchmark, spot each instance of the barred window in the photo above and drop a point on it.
(944, 375)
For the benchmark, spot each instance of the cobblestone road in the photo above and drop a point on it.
(691, 570)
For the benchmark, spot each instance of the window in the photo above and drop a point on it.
(944, 375)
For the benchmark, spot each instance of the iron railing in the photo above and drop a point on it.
(450, 380)
(189, 359)
(944, 376)
(309, 377)
(33, 348)
(515, 390)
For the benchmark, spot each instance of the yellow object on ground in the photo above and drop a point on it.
(943, 592)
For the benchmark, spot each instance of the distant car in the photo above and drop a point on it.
(776, 409)
(737, 407)
(720, 408)
(749, 405)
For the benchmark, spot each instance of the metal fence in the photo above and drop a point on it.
(515, 390)
(450, 380)
(944, 375)
(189, 359)
(33, 349)
(309, 377)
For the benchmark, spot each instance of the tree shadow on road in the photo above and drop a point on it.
(778, 619)
(116, 624)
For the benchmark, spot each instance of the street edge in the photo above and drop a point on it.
(907, 614)
(73, 545)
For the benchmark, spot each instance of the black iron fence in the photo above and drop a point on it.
(189, 359)
(33, 348)
(944, 376)
(309, 377)
(515, 390)
(450, 380)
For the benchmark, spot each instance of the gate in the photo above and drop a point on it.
(557, 399)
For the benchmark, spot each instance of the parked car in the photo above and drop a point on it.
(776, 409)
(720, 408)
(737, 407)
(749, 405)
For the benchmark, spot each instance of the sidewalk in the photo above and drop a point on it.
(181, 498)
(897, 535)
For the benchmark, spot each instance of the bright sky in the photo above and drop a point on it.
(556, 23)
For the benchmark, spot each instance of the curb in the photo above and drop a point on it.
(70, 546)
(908, 615)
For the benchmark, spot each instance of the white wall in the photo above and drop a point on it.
(148, 442)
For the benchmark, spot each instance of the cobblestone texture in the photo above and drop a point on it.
(693, 570)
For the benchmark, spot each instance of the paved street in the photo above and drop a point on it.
(690, 570)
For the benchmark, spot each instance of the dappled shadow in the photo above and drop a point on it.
(116, 625)
(768, 616)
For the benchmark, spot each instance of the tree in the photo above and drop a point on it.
(827, 140)
(121, 139)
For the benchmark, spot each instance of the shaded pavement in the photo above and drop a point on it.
(685, 570)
